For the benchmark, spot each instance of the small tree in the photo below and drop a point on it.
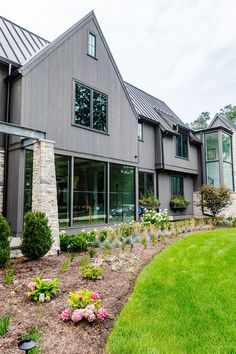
(37, 236)
(215, 199)
(5, 233)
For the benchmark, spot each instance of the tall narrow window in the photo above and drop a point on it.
(62, 165)
(92, 44)
(182, 146)
(140, 131)
(227, 161)
(28, 180)
(146, 184)
(177, 186)
(212, 158)
(90, 108)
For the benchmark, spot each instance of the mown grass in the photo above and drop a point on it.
(184, 301)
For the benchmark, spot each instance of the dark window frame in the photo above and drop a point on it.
(182, 154)
(92, 48)
(92, 90)
(181, 193)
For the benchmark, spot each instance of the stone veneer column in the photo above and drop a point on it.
(2, 157)
(197, 210)
(44, 193)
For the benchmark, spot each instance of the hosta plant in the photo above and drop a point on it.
(42, 290)
(84, 305)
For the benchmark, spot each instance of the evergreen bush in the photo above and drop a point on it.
(37, 236)
(5, 233)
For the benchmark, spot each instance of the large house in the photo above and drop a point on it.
(110, 141)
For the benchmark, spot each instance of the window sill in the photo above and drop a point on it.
(91, 56)
(90, 129)
(141, 140)
(182, 158)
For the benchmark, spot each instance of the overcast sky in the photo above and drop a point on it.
(181, 51)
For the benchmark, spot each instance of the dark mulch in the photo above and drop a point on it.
(115, 287)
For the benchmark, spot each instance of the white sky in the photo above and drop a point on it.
(181, 51)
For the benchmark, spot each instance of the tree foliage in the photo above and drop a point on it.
(201, 122)
(215, 199)
(229, 112)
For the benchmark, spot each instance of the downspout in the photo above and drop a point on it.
(6, 142)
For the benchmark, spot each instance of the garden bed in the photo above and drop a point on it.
(65, 337)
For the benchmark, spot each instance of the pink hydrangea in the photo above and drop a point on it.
(95, 297)
(89, 314)
(102, 313)
(65, 315)
(31, 285)
(77, 315)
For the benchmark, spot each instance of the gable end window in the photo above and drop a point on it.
(92, 44)
(182, 146)
(90, 108)
(140, 131)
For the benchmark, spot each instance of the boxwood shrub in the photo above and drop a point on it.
(5, 233)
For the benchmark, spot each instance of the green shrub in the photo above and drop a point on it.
(90, 271)
(9, 276)
(214, 198)
(43, 289)
(37, 236)
(5, 233)
(179, 202)
(77, 242)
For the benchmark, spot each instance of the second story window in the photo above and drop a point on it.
(92, 44)
(182, 146)
(90, 108)
(140, 131)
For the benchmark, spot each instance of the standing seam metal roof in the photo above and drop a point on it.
(17, 44)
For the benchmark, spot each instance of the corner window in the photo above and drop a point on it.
(90, 108)
(182, 146)
(212, 159)
(140, 131)
(177, 186)
(92, 44)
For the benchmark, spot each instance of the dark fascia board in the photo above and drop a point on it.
(229, 131)
(7, 62)
(42, 54)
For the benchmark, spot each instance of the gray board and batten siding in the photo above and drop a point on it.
(42, 99)
(48, 92)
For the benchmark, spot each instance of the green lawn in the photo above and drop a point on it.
(184, 301)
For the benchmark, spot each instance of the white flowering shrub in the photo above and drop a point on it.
(160, 219)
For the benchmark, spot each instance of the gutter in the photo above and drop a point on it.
(6, 142)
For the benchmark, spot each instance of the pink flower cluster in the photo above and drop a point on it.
(89, 313)
(95, 297)
(31, 285)
(102, 313)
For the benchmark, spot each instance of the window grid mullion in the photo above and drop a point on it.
(91, 109)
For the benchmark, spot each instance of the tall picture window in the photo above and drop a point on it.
(140, 131)
(28, 180)
(212, 158)
(122, 197)
(62, 164)
(146, 184)
(90, 108)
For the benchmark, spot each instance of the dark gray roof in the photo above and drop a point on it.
(17, 44)
(227, 121)
(152, 108)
